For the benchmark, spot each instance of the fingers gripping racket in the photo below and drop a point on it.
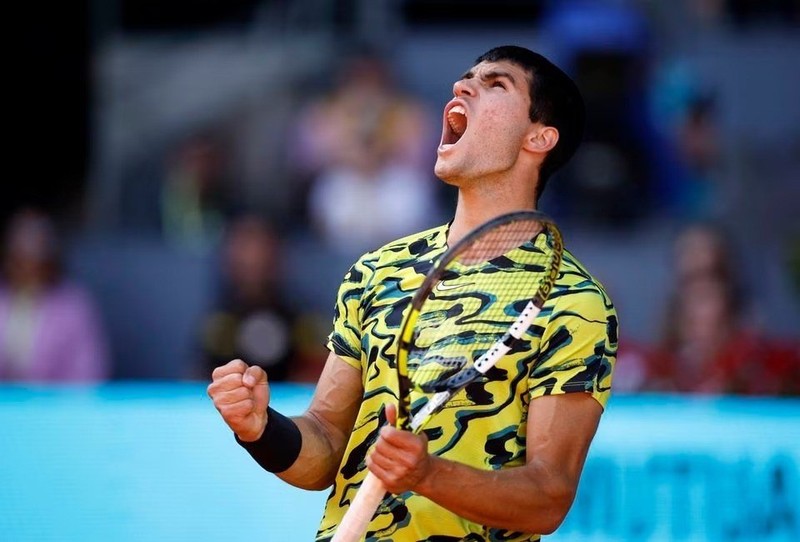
(473, 307)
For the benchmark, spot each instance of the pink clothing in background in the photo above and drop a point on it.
(56, 337)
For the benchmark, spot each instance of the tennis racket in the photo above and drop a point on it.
(474, 306)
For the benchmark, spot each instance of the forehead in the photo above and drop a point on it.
(488, 69)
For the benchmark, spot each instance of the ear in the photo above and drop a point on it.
(541, 139)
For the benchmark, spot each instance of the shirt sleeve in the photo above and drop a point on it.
(578, 347)
(346, 338)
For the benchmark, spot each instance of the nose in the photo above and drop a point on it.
(462, 87)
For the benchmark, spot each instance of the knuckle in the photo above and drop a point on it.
(258, 373)
(380, 447)
(230, 381)
(238, 408)
(237, 365)
(232, 367)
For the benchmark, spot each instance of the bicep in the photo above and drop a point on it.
(560, 429)
(578, 348)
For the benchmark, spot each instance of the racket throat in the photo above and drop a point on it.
(449, 387)
(428, 409)
(484, 363)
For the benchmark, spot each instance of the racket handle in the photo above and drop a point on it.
(355, 520)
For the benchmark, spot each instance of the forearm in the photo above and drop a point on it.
(325, 427)
(534, 497)
(531, 498)
(320, 454)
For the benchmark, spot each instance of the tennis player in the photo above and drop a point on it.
(514, 119)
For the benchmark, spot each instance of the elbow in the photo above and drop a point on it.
(549, 524)
(323, 482)
(317, 486)
(319, 483)
(559, 500)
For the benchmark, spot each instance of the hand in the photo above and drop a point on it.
(400, 458)
(241, 395)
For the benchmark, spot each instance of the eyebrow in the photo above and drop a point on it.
(489, 75)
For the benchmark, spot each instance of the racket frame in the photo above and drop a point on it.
(372, 491)
(500, 348)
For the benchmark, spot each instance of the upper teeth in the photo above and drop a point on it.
(457, 119)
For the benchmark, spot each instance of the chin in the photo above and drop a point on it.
(446, 174)
(451, 180)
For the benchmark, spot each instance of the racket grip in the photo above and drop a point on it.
(366, 502)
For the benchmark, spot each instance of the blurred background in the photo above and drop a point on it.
(195, 178)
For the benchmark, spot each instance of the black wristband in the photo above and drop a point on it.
(278, 447)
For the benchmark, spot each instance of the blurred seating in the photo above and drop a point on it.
(367, 154)
(716, 125)
(251, 318)
(152, 296)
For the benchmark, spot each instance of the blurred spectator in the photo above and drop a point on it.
(702, 249)
(369, 155)
(710, 342)
(49, 329)
(710, 348)
(194, 193)
(251, 320)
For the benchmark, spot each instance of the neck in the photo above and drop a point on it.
(483, 200)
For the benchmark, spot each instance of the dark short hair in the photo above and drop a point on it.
(555, 101)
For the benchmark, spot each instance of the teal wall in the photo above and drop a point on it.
(154, 462)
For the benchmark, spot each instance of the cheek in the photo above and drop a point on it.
(495, 122)
(493, 138)
(506, 125)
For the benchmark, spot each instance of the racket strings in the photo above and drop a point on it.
(491, 281)
(512, 261)
(498, 241)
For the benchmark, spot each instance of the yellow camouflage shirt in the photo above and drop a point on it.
(573, 345)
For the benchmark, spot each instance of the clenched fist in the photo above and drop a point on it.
(241, 395)
(399, 459)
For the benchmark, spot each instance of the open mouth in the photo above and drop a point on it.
(456, 124)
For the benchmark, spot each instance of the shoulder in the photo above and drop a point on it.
(579, 295)
(576, 280)
(401, 253)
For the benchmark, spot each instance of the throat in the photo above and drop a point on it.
(482, 202)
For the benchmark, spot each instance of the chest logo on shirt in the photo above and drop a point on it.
(443, 286)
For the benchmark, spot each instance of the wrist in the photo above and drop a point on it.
(278, 446)
(252, 437)
(434, 468)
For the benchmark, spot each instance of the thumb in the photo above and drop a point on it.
(253, 376)
(391, 414)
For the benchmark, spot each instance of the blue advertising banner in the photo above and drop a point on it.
(155, 462)
(691, 469)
